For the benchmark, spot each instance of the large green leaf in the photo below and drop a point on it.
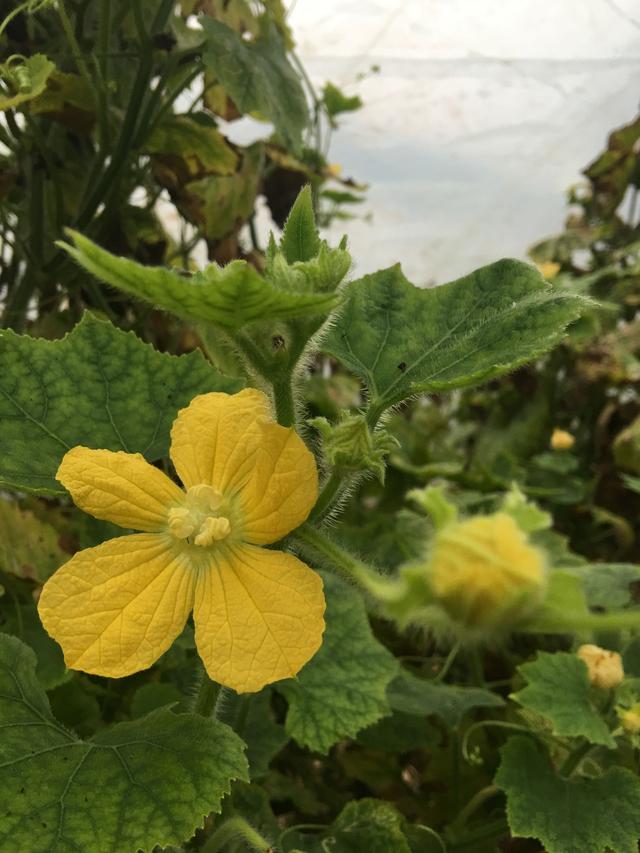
(230, 296)
(402, 340)
(342, 689)
(581, 816)
(558, 688)
(99, 387)
(258, 77)
(136, 785)
(413, 695)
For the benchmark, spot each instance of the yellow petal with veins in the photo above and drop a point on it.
(116, 608)
(258, 616)
(119, 487)
(215, 438)
(281, 489)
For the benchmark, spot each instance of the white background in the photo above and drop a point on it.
(482, 115)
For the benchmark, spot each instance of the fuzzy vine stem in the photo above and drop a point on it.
(236, 828)
(316, 544)
(207, 697)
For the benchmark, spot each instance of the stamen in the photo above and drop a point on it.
(181, 522)
(213, 529)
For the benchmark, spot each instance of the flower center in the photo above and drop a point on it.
(201, 519)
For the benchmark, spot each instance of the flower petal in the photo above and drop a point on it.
(281, 489)
(116, 608)
(231, 442)
(214, 439)
(119, 487)
(258, 617)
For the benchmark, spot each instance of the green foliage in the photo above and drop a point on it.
(26, 79)
(559, 689)
(29, 547)
(413, 695)
(300, 240)
(566, 815)
(258, 77)
(98, 387)
(337, 102)
(342, 689)
(403, 341)
(142, 783)
(230, 297)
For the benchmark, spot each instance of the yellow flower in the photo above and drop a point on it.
(561, 440)
(258, 613)
(605, 668)
(549, 269)
(485, 573)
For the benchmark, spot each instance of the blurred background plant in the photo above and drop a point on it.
(113, 119)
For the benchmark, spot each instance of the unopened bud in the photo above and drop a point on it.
(562, 440)
(604, 667)
(485, 573)
(352, 446)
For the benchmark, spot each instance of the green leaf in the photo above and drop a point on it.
(558, 688)
(343, 688)
(219, 204)
(153, 695)
(136, 785)
(99, 387)
(184, 148)
(413, 695)
(27, 79)
(300, 240)
(229, 297)
(581, 816)
(263, 737)
(402, 340)
(337, 102)
(29, 547)
(608, 585)
(22, 621)
(400, 733)
(258, 77)
(369, 826)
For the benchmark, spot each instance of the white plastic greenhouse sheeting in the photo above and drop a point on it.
(481, 116)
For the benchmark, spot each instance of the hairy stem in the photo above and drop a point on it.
(236, 828)
(207, 697)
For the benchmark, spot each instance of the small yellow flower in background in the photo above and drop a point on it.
(604, 667)
(334, 170)
(258, 613)
(561, 440)
(549, 269)
(485, 573)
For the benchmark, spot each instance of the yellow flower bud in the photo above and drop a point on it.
(549, 269)
(562, 440)
(630, 719)
(485, 573)
(605, 667)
